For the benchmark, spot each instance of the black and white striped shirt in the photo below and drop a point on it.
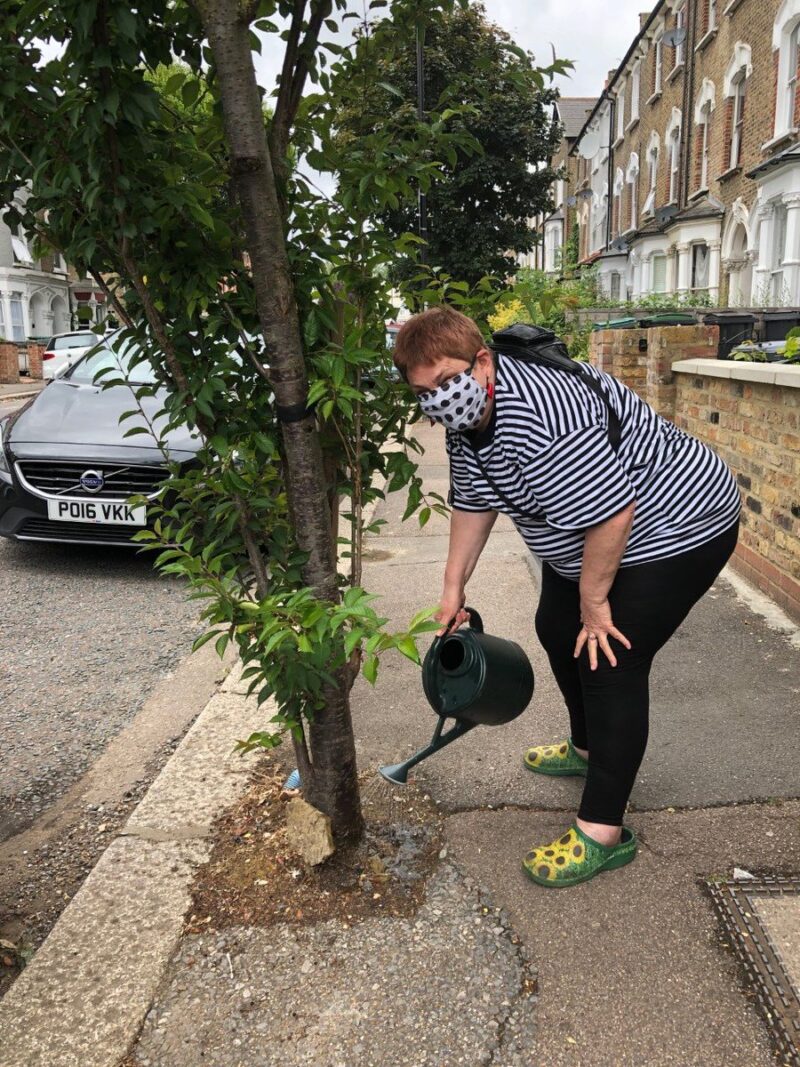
(547, 449)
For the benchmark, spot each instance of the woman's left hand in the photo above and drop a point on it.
(596, 630)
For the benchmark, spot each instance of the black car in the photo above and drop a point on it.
(66, 468)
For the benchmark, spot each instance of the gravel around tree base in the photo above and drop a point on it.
(450, 985)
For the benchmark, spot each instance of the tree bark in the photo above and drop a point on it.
(333, 787)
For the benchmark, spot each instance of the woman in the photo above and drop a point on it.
(629, 538)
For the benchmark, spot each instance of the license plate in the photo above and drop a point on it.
(102, 511)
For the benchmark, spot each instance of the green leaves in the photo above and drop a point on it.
(117, 150)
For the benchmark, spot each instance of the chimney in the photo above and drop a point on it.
(643, 17)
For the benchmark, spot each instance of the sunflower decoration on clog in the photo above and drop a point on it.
(574, 858)
(558, 759)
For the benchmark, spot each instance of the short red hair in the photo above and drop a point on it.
(438, 333)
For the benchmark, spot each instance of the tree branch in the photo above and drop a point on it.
(281, 119)
(293, 79)
(111, 296)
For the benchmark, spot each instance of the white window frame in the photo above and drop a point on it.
(18, 320)
(615, 276)
(658, 60)
(790, 89)
(620, 105)
(632, 179)
(634, 201)
(2, 316)
(737, 122)
(705, 146)
(680, 24)
(21, 252)
(619, 185)
(653, 156)
(660, 256)
(778, 250)
(636, 78)
(674, 163)
(692, 277)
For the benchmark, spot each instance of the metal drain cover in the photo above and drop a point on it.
(762, 918)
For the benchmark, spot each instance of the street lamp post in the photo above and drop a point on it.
(423, 201)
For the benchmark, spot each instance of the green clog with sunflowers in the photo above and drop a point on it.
(558, 759)
(574, 858)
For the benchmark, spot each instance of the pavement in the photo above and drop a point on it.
(631, 968)
(27, 387)
(14, 396)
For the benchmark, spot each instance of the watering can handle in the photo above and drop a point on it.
(475, 623)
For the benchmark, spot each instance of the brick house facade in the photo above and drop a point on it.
(688, 165)
(554, 229)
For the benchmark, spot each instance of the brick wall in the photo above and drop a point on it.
(649, 372)
(9, 364)
(753, 425)
(755, 428)
(35, 360)
(617, 352)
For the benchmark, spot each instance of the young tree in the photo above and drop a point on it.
(478, 210)
(260, 310)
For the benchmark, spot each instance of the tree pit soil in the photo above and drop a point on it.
(254, 877)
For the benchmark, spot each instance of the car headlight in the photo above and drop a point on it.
(4, 469)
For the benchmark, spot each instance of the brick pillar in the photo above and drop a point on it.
(796, 107)
(35, 353)
(617, 352)
(665, 346)
(9, 364)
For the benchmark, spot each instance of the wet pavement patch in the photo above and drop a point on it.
(254, 876)
(760, 917)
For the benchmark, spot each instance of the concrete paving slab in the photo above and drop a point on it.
(393, 719)
(630, 966)
(446, 987)
(205, 774)
(724, 693)
(781, 917)
(87, 990)
(405, 551)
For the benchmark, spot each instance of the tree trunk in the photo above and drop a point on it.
(334, 783)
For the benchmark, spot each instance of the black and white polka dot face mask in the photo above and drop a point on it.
(458, 403)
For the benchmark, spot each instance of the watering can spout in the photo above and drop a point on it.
(473, 678)
(397, 773)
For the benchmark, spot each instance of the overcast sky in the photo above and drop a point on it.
(594, 34)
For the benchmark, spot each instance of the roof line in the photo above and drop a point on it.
(606, 91)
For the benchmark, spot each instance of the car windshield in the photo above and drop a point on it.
(75, 340)
(115, 364)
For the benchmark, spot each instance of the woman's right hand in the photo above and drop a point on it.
(451, 610)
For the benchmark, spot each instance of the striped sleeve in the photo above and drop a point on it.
(578, 480)
(462, 496)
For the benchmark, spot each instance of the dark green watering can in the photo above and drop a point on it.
(474, 678)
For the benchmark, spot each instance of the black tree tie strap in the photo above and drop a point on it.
(293, 412)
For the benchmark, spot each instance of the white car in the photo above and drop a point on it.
(64, 349)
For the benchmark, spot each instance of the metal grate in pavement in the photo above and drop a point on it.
(749, 929)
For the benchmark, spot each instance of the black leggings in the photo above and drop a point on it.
(609, 707)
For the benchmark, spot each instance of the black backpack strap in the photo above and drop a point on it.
(534, 344)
